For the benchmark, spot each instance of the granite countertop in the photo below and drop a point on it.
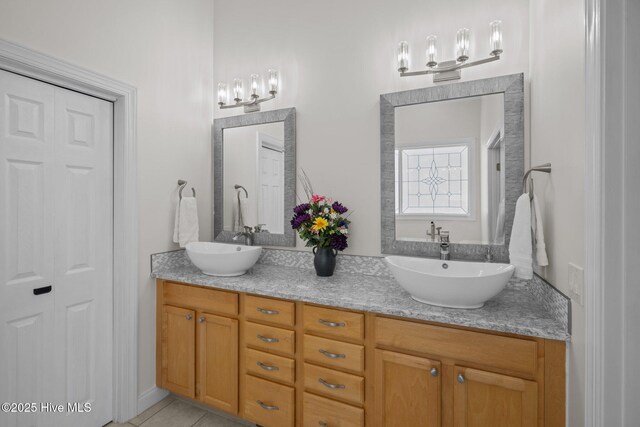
(515, 310)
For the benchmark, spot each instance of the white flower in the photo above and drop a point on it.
(326, 210)
(333, 215)
(344, 230)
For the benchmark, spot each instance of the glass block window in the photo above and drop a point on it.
(433, 180)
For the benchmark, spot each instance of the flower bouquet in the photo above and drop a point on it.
(322, 224)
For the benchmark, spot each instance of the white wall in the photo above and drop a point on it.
(166, 50)
(336, 58)
(557, 136)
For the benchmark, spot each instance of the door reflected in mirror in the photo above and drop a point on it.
(253, 162)
(448, 170)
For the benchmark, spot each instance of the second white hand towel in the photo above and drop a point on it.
(186, 228)
(520, 248)
(538, 232)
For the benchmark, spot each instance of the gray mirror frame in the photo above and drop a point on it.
(286, 115)
(513, 88)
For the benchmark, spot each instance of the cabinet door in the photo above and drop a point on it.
(407, 390)
(178, 350)
(485, 399)
(218, 361)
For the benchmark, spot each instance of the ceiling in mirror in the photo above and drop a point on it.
(448, 174)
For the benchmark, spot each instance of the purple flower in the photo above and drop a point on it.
(300, 209)
(339, 243)
(339, 208)
(298, 220)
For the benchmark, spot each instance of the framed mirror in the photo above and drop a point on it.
(254, 176)
(452, 160)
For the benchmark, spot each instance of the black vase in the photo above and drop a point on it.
(324, 261)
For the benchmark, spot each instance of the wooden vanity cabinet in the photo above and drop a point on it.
(290, 364)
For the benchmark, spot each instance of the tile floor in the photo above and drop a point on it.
(172, 412)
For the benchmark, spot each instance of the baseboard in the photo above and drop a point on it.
(150, 397)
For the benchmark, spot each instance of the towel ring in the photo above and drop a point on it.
(246, 193)
(546, 168)
(182, 183)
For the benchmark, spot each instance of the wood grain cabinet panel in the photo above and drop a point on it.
(321, 412)
(179, 350)
(270, 366)
(269, 338)
(218, 357)
(334, 383)
(485, 399)
(407, 390)
(205, 299)
(334, 353)
(338, 323)
(268, 404)
(269, 310)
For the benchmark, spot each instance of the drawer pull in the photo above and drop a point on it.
(332, 355)
(267, 339)
(267, 367)
(268, 312)
(267, 407)
(332, 324)
(330, 385)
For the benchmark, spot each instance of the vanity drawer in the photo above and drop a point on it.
(339, 323)
(270, 366)
(267, 403)
(319, 411)
(269, 310)
(204, 299)
(269, 338)
(334, 383)
(334, 353)
(501, 352)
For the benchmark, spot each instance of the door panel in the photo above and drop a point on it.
(407, 390)
(218, 352)
(485, 399)
(179, 350)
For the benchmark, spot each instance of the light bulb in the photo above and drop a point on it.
(222, 93)
(403, 57)
(254, 85)
(237, 90)
(462, 44)
(495, 38)
(432, 51)
(273, 82)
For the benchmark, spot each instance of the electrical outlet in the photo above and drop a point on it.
(576, 283)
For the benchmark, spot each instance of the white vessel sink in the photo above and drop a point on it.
(223, 259)
(456, 284)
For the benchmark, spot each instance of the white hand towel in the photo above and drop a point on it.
(185, 227)
(538, 232)
(520, 249)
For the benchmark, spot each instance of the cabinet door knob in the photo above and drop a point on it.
(189, 316)
(267, 407)
(267, 367)
(332, 355)
(461, 378)
(267, 339)
(434, 372)
(330, 385)
(332, 324)
(201, 319)
(268, 312)
(323, 424)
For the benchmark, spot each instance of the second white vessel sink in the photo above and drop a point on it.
(455, 284)
(223, 259)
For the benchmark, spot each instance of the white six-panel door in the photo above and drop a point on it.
(56, 230)
(271, 183)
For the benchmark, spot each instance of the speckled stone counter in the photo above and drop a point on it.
(524, 308)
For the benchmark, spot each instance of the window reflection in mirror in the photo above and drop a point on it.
(253, 158)
(448, 170)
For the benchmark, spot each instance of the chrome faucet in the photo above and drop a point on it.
(434, 232)
(249, 234)
(444, 246)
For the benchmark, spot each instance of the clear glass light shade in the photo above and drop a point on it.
(462, 44)
(238, 92)
(255, 82)
(403, 56)
(432, 51)
(222, 93)
(495, 38)
(273, 81)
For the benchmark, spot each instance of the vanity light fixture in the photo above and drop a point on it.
(450, 70)
(253, 103)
